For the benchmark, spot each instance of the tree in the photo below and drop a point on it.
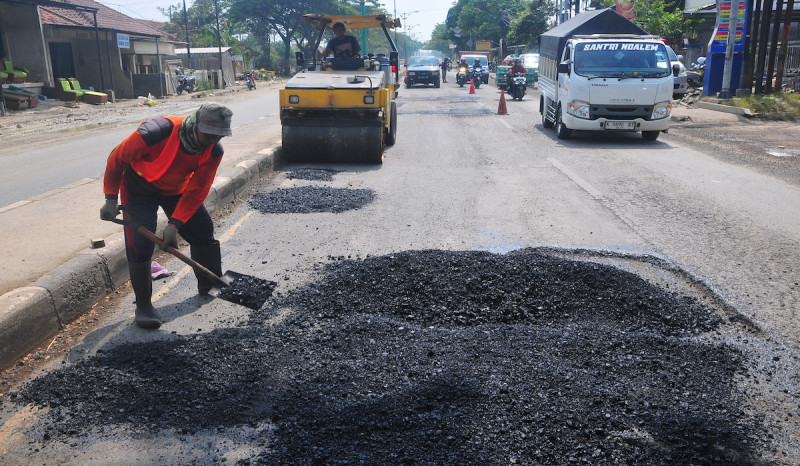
(439, 40)
(664, 19)
(526, 28)
(479, 19)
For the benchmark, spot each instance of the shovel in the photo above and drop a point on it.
(238, 288)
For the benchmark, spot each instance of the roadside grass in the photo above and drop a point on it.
(778, 106)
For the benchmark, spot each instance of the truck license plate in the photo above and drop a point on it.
(620, 125)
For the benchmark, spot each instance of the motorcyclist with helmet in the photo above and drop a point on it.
(476, 65)
(516, 67)
(461, 76)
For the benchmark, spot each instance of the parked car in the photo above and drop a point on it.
(531, 63)
(423, 70)
(681, 81)
(484, 61)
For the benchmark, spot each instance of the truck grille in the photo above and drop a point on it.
(621, 112)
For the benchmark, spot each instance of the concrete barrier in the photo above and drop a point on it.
(27, 317)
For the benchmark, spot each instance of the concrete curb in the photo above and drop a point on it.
(31, 314)
(723, 108)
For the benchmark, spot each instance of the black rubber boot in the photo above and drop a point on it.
(142, 284)
(209, 257)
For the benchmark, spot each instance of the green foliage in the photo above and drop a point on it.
(439, 40)
(477, 19)
(536, 19)
(778, 106)
(204, 85)
(662, 19)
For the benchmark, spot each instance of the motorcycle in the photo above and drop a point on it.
(185, 82)
(250, 80)
(696, 73)
(477, 76)
(518, 86)
(461, 75)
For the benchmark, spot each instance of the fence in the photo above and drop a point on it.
(792, 57)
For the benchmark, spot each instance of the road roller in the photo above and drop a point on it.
(341, 109)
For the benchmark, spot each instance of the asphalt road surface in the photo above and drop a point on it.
(412, 323)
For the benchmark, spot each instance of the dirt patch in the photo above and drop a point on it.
(436, 357)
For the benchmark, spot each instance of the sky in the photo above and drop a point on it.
(421, 16)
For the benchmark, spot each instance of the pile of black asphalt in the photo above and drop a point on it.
(442, 357)
(308, 199)
(312, 174)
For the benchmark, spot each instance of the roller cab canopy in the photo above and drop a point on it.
(606, 21)
(321, 22)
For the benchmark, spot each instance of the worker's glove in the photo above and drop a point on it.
(170, 237)
(109, 210)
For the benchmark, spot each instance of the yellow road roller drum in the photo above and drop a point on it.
(341, 110)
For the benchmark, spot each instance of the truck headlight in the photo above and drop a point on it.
(661, 110)
(369, 99)
(294, 99)
(578, 109)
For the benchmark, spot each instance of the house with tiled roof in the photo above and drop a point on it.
(99, 46)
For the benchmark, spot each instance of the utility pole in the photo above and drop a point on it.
(787, 24)
(363, 30)
(219, 46)
(773, 46)
(766, 18)
(405, 30)
(186, 26)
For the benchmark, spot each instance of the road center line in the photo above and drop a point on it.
(577, 179)
(506, 124)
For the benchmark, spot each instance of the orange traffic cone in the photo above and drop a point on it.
(471, 87)
(501, 109)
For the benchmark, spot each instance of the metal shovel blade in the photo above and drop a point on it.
(246, 290)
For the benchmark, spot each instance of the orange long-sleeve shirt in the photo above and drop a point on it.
(154, 152)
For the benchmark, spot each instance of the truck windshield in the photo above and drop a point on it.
(621, 60)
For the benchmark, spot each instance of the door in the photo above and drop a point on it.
(62, 60)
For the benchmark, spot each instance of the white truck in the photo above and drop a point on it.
(604, 82)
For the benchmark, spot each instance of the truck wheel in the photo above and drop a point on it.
(437, 83)
(650, 135)
(562, 132)
(408, 85)
(391, 135)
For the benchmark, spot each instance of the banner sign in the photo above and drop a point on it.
(483, 45)
(625, 8)
(123, 41)
(719, 41)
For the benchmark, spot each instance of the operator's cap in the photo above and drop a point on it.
(213, 118)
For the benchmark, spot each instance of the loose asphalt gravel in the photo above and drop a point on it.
(435, 357)
(309, 199)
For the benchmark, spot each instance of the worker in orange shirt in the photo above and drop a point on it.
(168, 162)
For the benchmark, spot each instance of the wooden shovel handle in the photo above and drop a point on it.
(219, 282)
(175, 252)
